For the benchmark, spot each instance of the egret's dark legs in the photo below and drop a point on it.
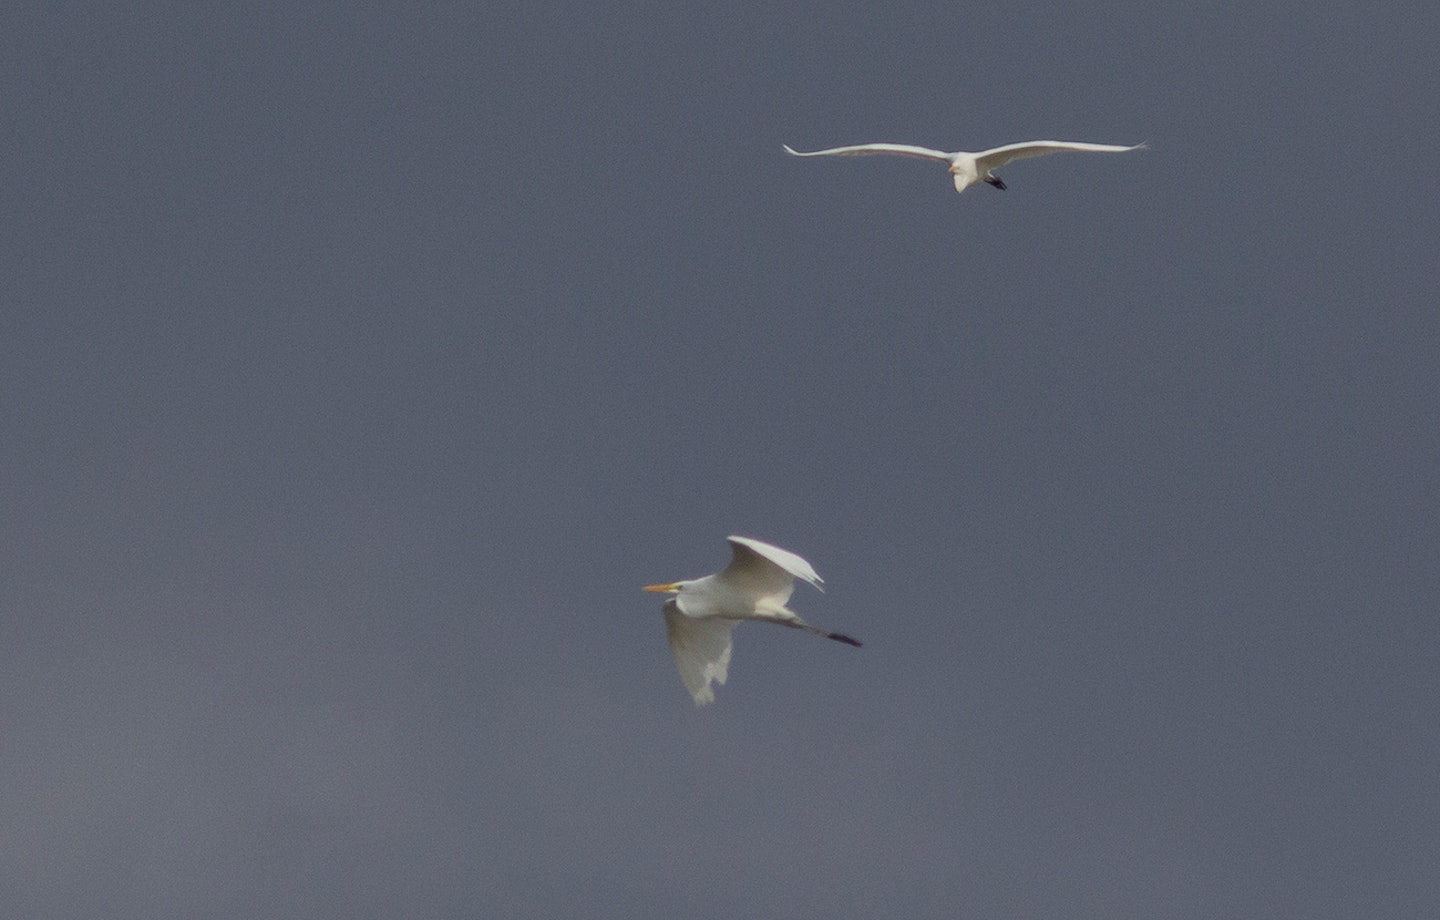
(795, 622)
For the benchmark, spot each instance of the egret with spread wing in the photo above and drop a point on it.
(755, 586)
(969, 168)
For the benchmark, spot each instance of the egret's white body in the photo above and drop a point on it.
(969, 168)
(755, 586)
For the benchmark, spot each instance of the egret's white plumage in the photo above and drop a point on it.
(755, 586)
(968, 168)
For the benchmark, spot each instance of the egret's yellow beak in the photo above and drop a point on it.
(663, 589)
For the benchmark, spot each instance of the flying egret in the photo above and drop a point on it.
(754, 586)
(969, 168)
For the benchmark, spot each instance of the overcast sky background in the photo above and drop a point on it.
(361, 362)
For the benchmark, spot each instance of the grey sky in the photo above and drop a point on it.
(362, 362)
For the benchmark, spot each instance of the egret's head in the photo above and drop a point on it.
(672, 588)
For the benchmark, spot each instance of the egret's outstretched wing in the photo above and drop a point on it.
(701, 649)
(765, 568)
(859, 150)
(999, 156)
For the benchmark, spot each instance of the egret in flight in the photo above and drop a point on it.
(754, 586)
(968, 168)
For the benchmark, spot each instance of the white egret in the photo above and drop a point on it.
(969, 168)
(754, 586)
